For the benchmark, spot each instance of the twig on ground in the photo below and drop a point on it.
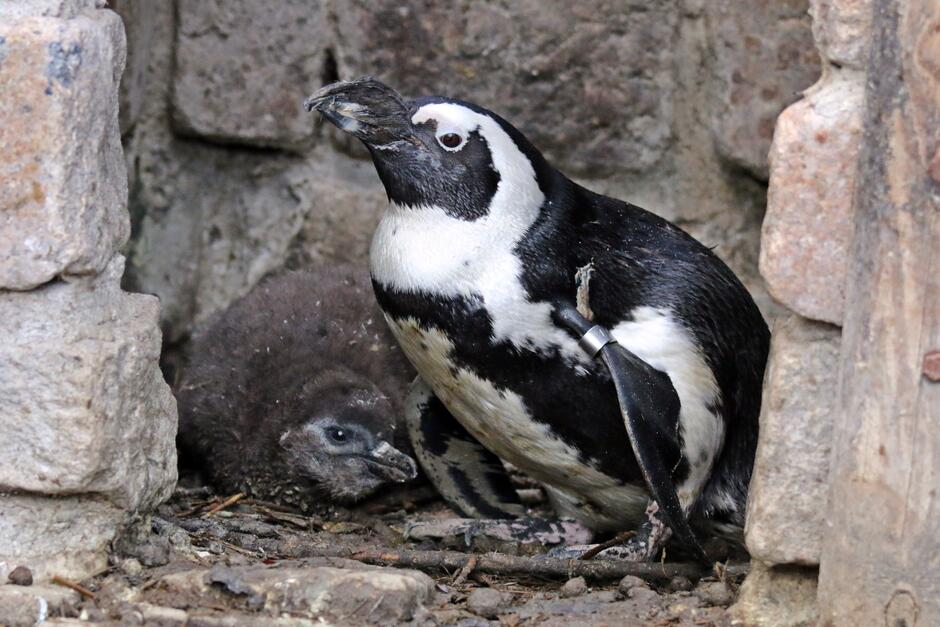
(239, 549)
(302, 522)
(82, 590)
(555, 568)
(235, 498)
(617, 541)
(465, 571)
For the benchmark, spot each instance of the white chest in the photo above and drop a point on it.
(426, 251)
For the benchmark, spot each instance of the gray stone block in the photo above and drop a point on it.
(777, 596)
(243, 69)
(787, 500)
(63, 185)
(810, 221)
(69, 536)
(763, 57)
(83, 406)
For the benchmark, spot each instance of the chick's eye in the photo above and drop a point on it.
(337, 435)
(450, 140)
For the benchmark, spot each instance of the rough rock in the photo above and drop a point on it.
(486, 602)
(25, 607)
(680, 584)
(84, 408)
(590, 83)
(809, 224)
(841, 29)
(67, 536)
(62, 199)
(713, 593)
(642, 595)
(786, 503)
(346, 201)
(573, 588)
(243, 70)
(21, 576)
(630, 582)
(764, 57)
(348, 593)
(777, 596)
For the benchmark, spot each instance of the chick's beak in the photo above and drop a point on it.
(364, 108)
(389, 463)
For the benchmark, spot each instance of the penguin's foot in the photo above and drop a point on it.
(525, 535)
(643, 546)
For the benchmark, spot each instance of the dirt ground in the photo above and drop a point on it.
(204, 560)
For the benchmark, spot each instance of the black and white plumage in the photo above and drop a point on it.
(477, 264)
(295, 392)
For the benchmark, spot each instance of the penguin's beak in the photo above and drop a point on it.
(389, 463)
(364, 108)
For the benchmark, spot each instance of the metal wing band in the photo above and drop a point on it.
(596, 338)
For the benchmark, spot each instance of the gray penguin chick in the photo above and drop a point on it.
(294, 393)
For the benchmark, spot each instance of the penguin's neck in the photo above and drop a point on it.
(425, 249)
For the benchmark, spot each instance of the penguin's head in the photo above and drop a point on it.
(338, 438)
(434, 152)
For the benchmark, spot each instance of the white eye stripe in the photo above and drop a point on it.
(448, 120)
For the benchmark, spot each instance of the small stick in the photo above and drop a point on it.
(500, 564)
(465, 571)
(618, 540)
(82, 590)
(235, 498)
(237, 548)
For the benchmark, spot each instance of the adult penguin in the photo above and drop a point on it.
(588, 342)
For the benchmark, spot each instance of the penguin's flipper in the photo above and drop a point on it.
(469, 477)
(650, 408)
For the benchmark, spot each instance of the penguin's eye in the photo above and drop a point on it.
(337, 435)
(450, 141)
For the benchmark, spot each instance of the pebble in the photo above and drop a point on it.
(629, 582)
(21, 576)
(485, 602)
(680, 584)
(713, 593)
(642, 594)
(131, 567)
(573, 588)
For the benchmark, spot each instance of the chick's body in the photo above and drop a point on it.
(294, 392)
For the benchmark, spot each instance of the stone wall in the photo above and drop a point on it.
(668, 104)
(806, 238)
(87, 423)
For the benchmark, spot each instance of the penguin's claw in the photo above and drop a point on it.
(644, 546)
